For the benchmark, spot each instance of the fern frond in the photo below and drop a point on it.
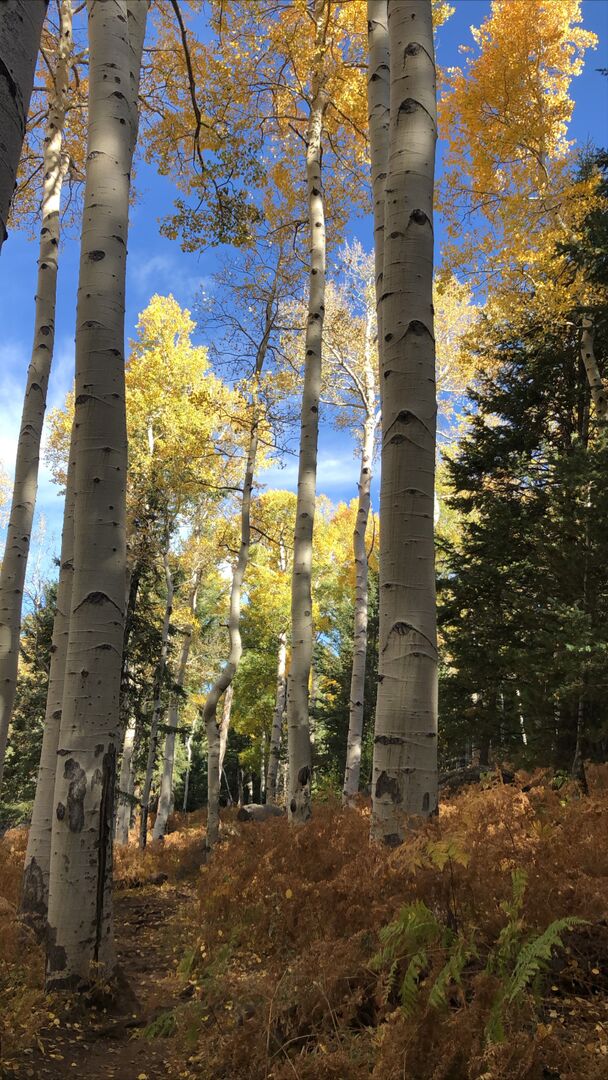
(410, 985)
(451, 972)
(536, 954)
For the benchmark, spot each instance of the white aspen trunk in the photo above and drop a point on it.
(157, 707)
(18, 536)
(594, 378)
(404, 782)
(218, 733)
(80, 936)
(224, 726)
(20, 29)
(352, 769)
(298, 720)
(126, 784)
(165, 801)
(189, 741)
(38, 855)
(274, 749)
(166, 783)
(378, 101)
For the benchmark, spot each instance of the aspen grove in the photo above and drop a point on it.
(304, 527)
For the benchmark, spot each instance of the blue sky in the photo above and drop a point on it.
(156, 264)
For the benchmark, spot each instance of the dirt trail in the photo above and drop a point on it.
(101, 1043)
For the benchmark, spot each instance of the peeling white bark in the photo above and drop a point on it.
(21, 24)
(80, 935)
(14, 563)
(404, 782)
(298, 719)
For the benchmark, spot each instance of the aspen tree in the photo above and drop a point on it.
(405, 745)
(378, 100)
(274, 748)
(157, 705)
(35, 894)
(298, 727)
(166, 784)
(224, 680)
(80, 910)
(368, 393)
(217, 733)
(14, 563)
(126, 785)
(21, 24)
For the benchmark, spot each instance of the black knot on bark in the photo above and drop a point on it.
(412, 49)
(408, 106)
(388, 785)
(419, 217)
(97, 256)
(304, 776)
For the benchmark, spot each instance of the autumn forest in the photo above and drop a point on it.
(304, 539)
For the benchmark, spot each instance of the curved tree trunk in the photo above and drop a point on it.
(404, 779)
(298, 720)
(274, 749)
(157, 707)
(357, 683)
(14, 563)
(21, 24)
(80, 909)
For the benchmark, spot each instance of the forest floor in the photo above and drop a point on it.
(272, 962)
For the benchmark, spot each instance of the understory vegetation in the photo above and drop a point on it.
(479, 948)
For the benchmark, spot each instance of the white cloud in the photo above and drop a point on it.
(163, 274)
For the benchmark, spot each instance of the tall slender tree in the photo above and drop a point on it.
(14, 564)
(404, 779)
(298, 728)
(20, 30)
(80, 909)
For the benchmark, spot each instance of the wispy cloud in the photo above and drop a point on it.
(164, 273)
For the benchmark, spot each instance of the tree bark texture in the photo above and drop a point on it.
(38, 855)
(274, 749)
(157, 706)
(18, 536)
(352, 769)
(126, 784)
(165, 801)
(298, 720)
(596, 385)
(21, 24)
(404, 782)
(378, 101)
(80, 935)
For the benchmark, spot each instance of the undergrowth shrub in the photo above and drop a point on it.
(293, 967)
(23, 1007)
